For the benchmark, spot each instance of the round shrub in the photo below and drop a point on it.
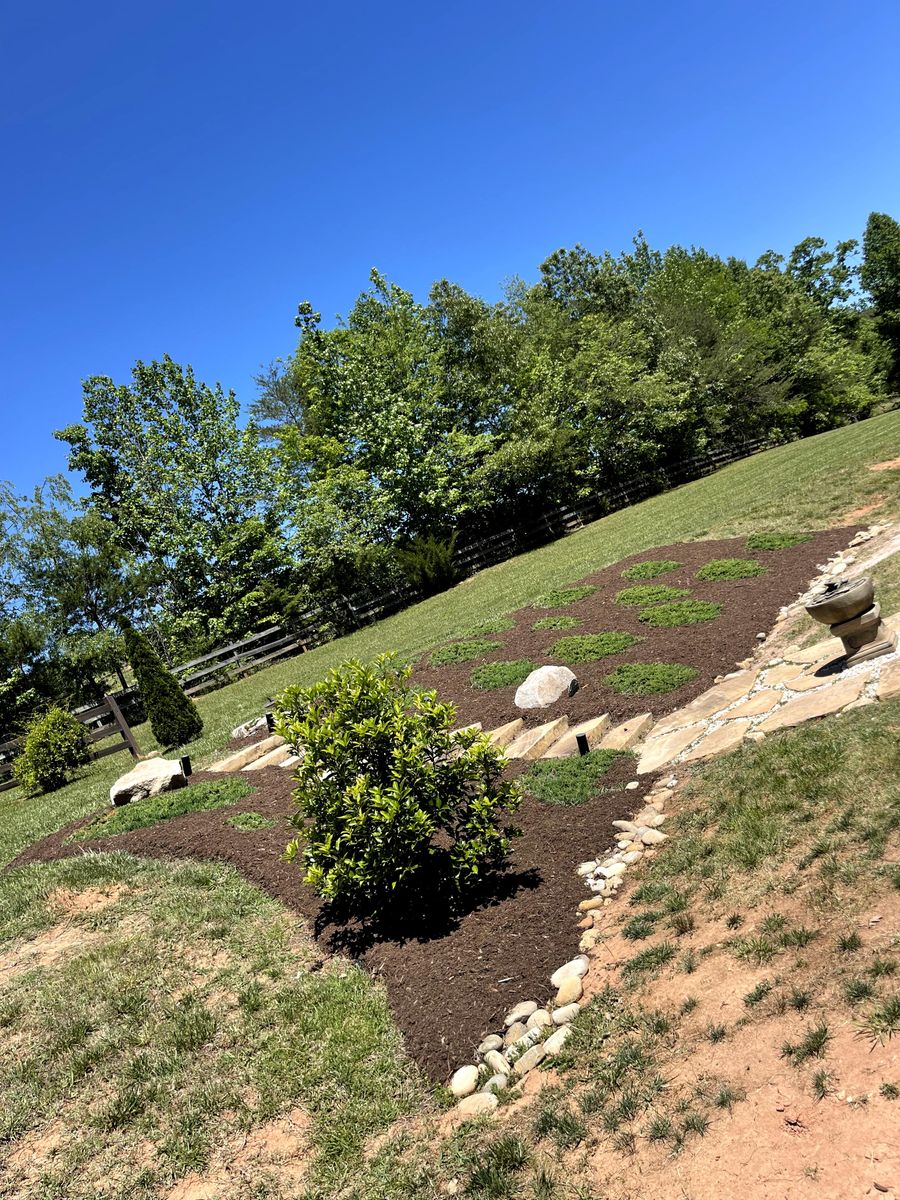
(647, 679)
(776, 541)
(556, 623)
(650, 593)
(681, 612)
(731, 568)
(386, 790)
(173, 716)
(650, 570)
(560, 597)
(493, 675)
(460, 652)
(55, 747)
(588, 647)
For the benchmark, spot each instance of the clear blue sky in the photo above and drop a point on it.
(177, 176)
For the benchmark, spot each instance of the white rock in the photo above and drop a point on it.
(545, 686)
(633, 856)
(653, 837)
(630, 787)
(148, 778)
(515, 1031)
(628, 826)
(249, 727)
(496, 1062)
(585, 868)
(614, 869)
(530, 1059)
(562, 1016)
(554, 1042)
(492, 1042)
(539, 1019)
(496, 1083)
(569, 991)
(575, 967)
(520, 1013)
(464, 1081)
(477, 1105)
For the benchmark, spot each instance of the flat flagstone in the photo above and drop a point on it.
(567, 746)
(661, 750)
(819, 703)
(727, 737)
(782, 674)
(504, 734)
(822, 651)
(754, 706)
(889, 684)
(624, 736)
(710, 702)
(240, 758)
(809, 680)
(533, 742)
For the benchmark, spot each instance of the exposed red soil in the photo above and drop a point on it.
(750, 606)
(450, 976)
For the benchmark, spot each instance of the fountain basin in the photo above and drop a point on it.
(842, 601)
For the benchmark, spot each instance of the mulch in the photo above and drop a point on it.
(451, 974)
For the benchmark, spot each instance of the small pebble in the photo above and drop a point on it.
(633, 786)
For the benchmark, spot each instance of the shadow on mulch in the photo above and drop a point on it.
(452, 971)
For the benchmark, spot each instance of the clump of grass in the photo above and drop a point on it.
(727, 1096)
(731, 568)
(650, 959)
(811, 1045)
(641, 926)
(490, 676)
(688, 962)
(461, 652)
(820, 1083)
(495, 1174)
(776, 541)
(650, 892)
(198, 797)
(561, 622)
(890, 1091)
(758, 949)
(568, 780)
(734, 921)
(650, 569)
(248, 821)
(773, 923)
(716, 1033)
(681, 612)
(757, 994)
(884, 1020)
(648, 679)
(589, 647)
(565, 1127)
(696, 1123)
(659, 1129)
(560, 597)
(799, 1000)
(882, 967)
(858, 989)
(849, 942)
(688, 1004)
(650, 593)
(797, 938)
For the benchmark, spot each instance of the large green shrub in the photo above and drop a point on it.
(427, 563)
(173, 716)
(55, 747)
(385, 788)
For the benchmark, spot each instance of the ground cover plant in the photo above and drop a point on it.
(731, 568)
(561, 622)
(562, 597)
(647, 679)
(650, 593)
(459, 652)
(776, 541)
(681, 612)
(567, 781)
(249, 821)
(140, 814)
(493, 675)
(650, 569)
(588, 647)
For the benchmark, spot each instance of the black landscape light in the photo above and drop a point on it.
(582, 743)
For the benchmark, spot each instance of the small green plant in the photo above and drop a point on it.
(461, 652)
(561, 1124)
(776, 541)
(688, 1004)
(797, 938)
(561, 622)
(727, 1096)
(650, 569)
(650, 959)
(246, 822)
(696, 1123)
(716, 1033)
(490, 676)
(173, 716)
(757, 994)
(560, 597)
(730, 568)
(884, 1020)
(688, 962)
(640, 926)
(734, 921)
(568, 780)
(799, 1000)
(649, 679)
(757, 949)
(820, 1083)
(199, 797)
(774, 923)
(811, 1045)
(55, 747)
(858, 989)
(882, 967)
(589, 647)
(890, 1091)
(382, 778)
(849, 942)
(659, 1129)
(681, 612)
(682, 923)
(650, 593)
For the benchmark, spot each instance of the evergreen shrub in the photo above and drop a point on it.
(173, 716)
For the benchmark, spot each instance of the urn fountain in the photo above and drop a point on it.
(849, 607)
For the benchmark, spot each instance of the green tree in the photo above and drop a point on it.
(880, 276)
(173, 716)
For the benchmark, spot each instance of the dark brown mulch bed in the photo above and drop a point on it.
(450, 976)
(750, 606)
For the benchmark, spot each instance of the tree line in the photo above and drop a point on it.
(379, 442)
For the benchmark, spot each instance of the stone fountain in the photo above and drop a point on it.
(848, 606)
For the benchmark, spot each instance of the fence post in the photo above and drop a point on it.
(124, 728)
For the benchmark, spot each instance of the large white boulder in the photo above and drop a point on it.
(254, 725)
(148, 778)
(545, 686)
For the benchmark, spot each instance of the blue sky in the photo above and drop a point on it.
(178, 176)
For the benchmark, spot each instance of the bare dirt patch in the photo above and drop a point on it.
(47, 948)
(68, 902)
(857, 514)
(890, 464)
(279, 1148)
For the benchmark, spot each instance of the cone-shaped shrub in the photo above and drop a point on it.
(173, 716)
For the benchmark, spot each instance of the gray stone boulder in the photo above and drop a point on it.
(545, 686)
(255, 725)
(148, 778)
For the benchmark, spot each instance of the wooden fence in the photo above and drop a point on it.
(103, 721)
(228, 663)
